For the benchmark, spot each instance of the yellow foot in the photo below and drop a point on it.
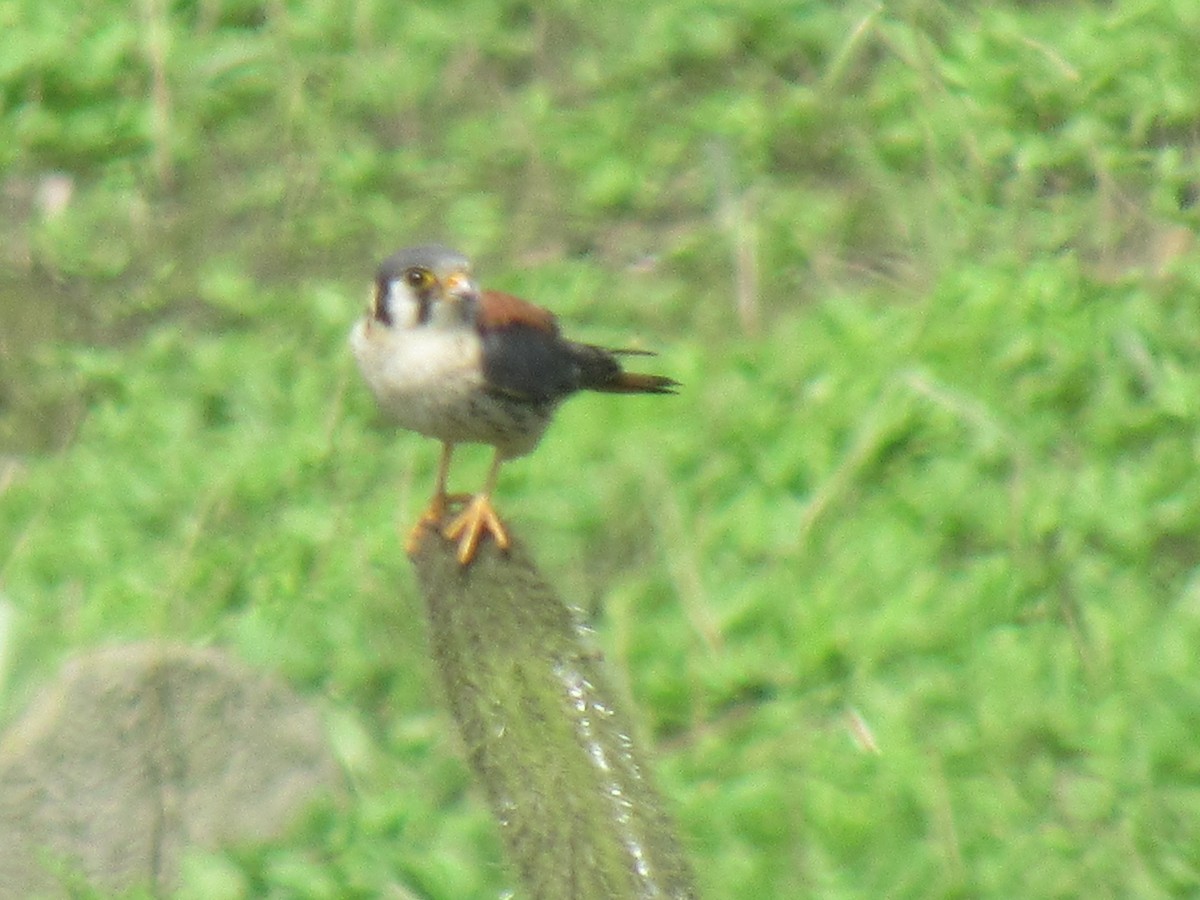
(476, 520)
(432, 518)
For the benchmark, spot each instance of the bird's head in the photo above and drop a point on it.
(428, 286)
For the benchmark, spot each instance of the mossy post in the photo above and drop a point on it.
(544, 733)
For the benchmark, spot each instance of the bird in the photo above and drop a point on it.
(452, 361)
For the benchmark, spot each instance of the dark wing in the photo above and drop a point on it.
(524, 357)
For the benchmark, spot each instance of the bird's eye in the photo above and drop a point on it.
(418, 278)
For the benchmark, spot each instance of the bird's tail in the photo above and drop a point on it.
(637, 383)
(601, 371)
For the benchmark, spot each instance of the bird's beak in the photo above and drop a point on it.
(459, 286)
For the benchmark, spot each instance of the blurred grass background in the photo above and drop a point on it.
(904, 584)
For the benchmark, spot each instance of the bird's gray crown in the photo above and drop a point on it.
(435, 257)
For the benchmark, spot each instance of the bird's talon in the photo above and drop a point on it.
(432, 518)
(478, 519)
(413, 542)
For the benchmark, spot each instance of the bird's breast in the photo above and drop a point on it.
(430, 381)
(416, 366)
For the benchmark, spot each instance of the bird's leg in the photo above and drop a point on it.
(439, 504)
(478, 518)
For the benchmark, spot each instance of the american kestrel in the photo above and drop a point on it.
(464, 365)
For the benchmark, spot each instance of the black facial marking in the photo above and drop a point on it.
(421, 281)
(469, 308)
(381, 309)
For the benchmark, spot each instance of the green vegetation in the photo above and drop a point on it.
(927, 272)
